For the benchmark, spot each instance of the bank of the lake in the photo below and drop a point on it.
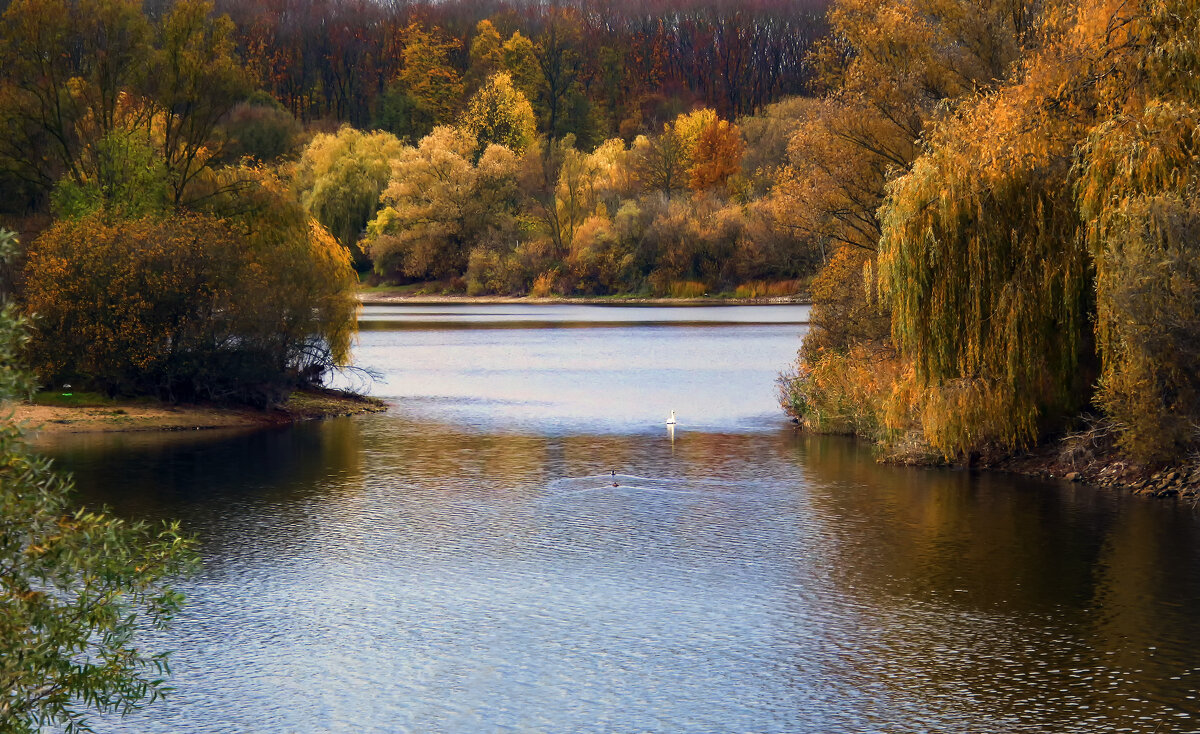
(143, 415)
(1092, 460)
(383, 297)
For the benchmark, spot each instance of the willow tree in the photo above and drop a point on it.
(888, 71)
(340, 176)
(982, 254)
(1138, 190)
(989, 286)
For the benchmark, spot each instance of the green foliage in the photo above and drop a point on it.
(400, 114)
(76, 77)
(74, 398)
(341, 176)
(77, 588)
(121, 175)
(260, 128)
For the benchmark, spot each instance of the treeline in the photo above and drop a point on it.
(487, 207)
(192, 185)
(607, 67)
(1012, 187)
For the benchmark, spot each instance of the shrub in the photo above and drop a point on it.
(688, 289)
(188, 306)
(842, 392)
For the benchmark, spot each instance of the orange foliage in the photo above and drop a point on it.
(717, 155)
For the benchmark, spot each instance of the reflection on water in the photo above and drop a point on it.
(434, 569)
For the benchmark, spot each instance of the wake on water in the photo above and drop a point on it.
(566, 486)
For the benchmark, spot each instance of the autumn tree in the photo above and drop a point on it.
(428, 78)
(197, 80)
(716, 156)
(64, 70)
(499, 113)
(340, 176)
(558, 60)
(662, 162)
(1138, 202)
(517, 56)
(486, 54)
(887, 71)
(80, 588)
(440, 204)
(244, 306)
(557, 180)
(995, 255)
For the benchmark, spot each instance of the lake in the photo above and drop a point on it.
(468, 562)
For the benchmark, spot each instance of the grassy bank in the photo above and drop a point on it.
(57, 412)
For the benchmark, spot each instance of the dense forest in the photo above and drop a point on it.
(573, 148)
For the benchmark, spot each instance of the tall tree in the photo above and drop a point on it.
(197, 80)
(64, 68)
(558, 59)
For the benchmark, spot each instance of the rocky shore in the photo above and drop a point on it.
(1091, 459)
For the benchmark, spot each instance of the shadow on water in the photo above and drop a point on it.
(1050, 601)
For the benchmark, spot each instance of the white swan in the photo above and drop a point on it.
(671, 420)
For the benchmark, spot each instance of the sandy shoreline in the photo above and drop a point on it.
(140, 416)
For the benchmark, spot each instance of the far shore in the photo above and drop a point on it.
(134, 415)
(380, 298)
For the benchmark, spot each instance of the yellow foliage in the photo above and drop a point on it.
(499, 113)
(842, 392)
(765, 289)
(544, 284)
(440, 205)
(688, 289)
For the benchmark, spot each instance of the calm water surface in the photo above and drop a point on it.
(463, 563)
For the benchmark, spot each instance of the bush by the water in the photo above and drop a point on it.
(188, 306)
